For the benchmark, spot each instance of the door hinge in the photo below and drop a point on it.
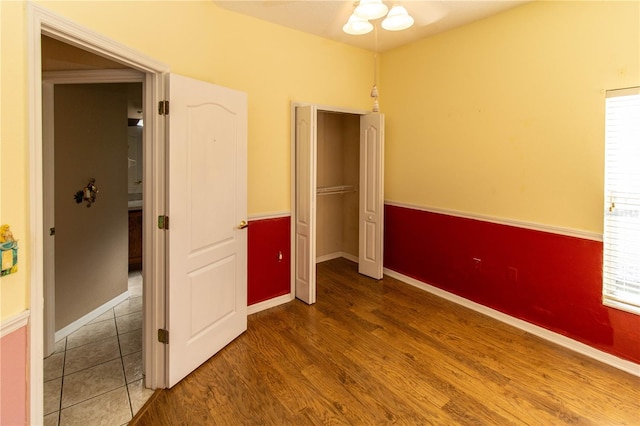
(163, 336)
(163, 108)
(163, 222)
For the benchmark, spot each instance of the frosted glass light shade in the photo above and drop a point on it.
(397, 19)
(357, 26)
(371, 9)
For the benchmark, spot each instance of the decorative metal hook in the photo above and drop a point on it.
(88, 193)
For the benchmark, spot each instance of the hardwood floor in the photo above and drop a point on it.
(379, 352)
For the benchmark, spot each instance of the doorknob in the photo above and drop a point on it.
(243, 224)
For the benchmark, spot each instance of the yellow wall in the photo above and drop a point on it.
(14, 167)
(504, 117)
(274, 65)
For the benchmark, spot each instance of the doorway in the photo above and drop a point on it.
(212, 121)
(337, 192)
(45, 23)
(96, 316)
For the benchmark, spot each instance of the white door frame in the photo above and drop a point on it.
(40, 22)
(319, 108)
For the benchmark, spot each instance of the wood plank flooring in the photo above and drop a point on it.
(380, 352)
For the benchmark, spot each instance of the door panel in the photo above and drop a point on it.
(207, 202)
(371, 195)
(305, 227)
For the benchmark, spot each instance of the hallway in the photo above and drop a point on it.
(95, 375)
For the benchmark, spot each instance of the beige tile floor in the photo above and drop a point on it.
(94, 376)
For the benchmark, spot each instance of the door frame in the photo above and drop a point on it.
(41, 21)
(294, 213)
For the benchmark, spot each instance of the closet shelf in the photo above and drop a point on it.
(339, 189)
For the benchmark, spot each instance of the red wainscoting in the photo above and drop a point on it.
(13, 371)
(547, 279)
(268, 274)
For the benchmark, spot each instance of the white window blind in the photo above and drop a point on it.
(621, 263)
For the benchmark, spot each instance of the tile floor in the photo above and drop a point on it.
(94, 376)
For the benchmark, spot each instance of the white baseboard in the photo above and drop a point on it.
(337, 255)
(15, 322)
(271, 303)
(77, 324)
(581, 348)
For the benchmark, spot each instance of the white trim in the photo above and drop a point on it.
(620, 306)
(60, 28)
(328, 108)
(274, 215)
(271, 303)
(93, 76)
(581, 348)
(337, 255)
(35, 23)
(15, 322)
(84, 320)
(42, 21)
(292, 193)
(569, 232)
(627, 91)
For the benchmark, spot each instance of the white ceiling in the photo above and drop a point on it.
(325, 18)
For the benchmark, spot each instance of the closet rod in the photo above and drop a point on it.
(339, 189)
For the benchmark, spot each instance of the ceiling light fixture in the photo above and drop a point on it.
(357, 26)
(367, 10)
(371, 9)
(397, 19)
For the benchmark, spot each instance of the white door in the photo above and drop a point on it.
(207, 240)
(305, 226)
(48, 217)
(371, 195)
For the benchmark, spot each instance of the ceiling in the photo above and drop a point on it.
(325, 18)
(60, 56)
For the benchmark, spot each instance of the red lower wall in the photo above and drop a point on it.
(269, 259)
(13, 382)
(550, 280)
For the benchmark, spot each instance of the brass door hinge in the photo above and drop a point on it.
(163, 108)
(163, 222)
(163, 336)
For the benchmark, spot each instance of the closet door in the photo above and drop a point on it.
(371, 195)
(305, 221)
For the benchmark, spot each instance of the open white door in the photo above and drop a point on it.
(305, 226)
(207, 242)
(371, 195)
(48, 217)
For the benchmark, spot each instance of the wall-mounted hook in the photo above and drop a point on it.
(88, 193)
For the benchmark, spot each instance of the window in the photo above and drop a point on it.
(621, 266)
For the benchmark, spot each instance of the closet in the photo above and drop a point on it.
(337, 162)
(338, 170)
